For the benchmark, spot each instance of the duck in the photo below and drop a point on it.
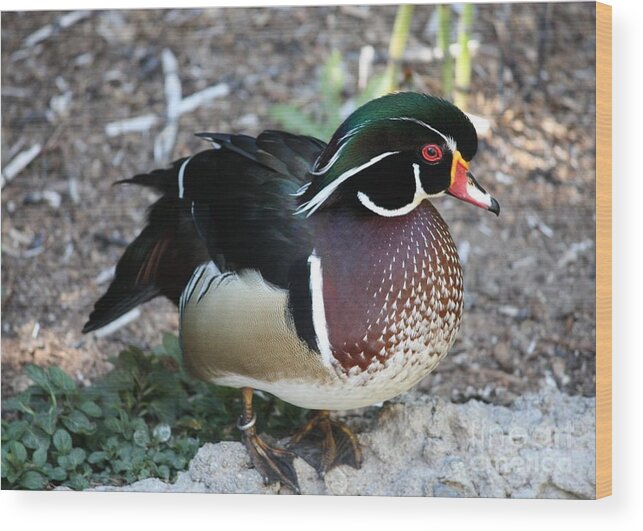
(321, 273)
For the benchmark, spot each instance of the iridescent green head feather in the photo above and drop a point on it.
(397, 125)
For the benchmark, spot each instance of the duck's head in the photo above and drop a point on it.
(394, 152)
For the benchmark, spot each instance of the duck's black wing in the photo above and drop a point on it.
(233, 204)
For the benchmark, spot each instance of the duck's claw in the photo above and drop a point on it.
(273, 463)
(325, 443)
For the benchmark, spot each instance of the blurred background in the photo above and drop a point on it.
(89, 97)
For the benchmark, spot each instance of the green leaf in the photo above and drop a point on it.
(77, 422)
(78, 482)
(62, 441)
(97, 457)
(179, 462)
(114, 424)
(39, 457)
(165, 410)
(376, 86)
(18, 451)
(164, 472)
(38, 376)
(13, 403)
(158, 457)
(131, 360)
(35, 438)
(13, 431)
(293, 119)
(118, 411)
(61, 379)
(142, 437)
(112, 444)
(57, 474)
(47, 420)
(11, 473)
(32, 480)
(6, 466)
(190, 423)
(120, 465)
(77, 456)
(91, 408)
(332, 85)
(64, 461)
(139, 455)
(118, 380)
(162, 433)
(171, 346)
(332, 79)
(125, 451)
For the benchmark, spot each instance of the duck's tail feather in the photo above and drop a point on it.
(160, 260)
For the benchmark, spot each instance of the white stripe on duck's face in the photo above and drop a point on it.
(399, 184)
(419, 196)
(401, 139)
(391, 183)
(309, 207)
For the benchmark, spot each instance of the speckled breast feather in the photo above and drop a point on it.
(392, 292)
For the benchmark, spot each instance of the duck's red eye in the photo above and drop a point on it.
(431, 153)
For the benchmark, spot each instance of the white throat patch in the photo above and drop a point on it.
(419, 196)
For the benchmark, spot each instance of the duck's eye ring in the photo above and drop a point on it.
(431, 153)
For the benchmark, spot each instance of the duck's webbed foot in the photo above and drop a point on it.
(273, 463)
(325, 443)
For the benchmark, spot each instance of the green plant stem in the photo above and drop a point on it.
(463, 62)
(397, 45)
(444, 38)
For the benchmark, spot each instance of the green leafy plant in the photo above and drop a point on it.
(463, 61)
(444, 41)
(397, 45)
(145, 418)
(456, 80)
(333, 85)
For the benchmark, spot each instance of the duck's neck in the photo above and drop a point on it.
(380, 277)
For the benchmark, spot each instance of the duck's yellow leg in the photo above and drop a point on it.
(273, 463)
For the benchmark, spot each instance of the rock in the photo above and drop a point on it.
(543, 445)
(503, 355)
(224, 467)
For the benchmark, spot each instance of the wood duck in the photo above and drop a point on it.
(320, 273)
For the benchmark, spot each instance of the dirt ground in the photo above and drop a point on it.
(529, 274)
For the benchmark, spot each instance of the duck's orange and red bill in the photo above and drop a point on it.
(466, 188)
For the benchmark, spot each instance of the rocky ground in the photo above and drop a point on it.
(542, 446)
